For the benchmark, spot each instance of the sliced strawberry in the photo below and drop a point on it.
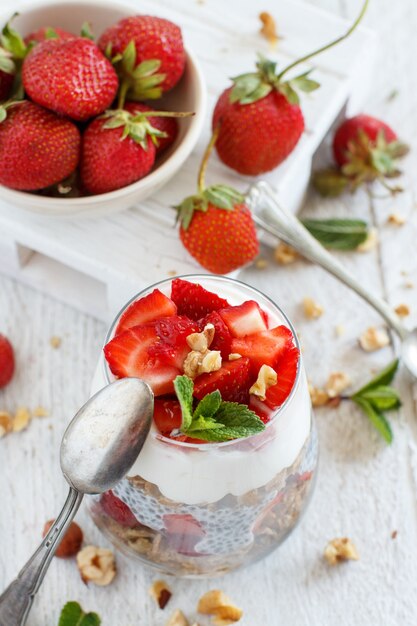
(262, 411)
(245, 319)
(222, 338)
(128, 355)
(6, 361)
(183, 532)
(265, 347)
(233, 380)
(146, 309)
(172, 333)
(193, 300)
(117, 510)
(286, 369)
(167, 415)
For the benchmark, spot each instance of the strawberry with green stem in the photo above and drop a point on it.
(216, 226)
(260, 119)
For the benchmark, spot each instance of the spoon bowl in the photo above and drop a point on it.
(409, 352)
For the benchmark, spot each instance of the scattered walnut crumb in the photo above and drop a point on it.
(267, 377)
(220, 606)
(336, 383)
(6, 423)
(96, 565)
(21, 419)
(339, 330)
(394, 534)
(396, 219)
(177, 619)
(201, 360)
(55, 341)
(402, 310)
(409, 284)
(374, 339)
(40, 411)
(269, 28)
(261, 264)
(172, 272)
(160, 592)
(234, 356)
(370, 242)
(338, 550)
(319, 397)
(312, 310)
(284, 254)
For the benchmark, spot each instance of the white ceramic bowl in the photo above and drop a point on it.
(188, 95)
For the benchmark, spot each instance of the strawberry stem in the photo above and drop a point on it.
(307, 57)
(204, 161)
(167, 113)
(124, 88)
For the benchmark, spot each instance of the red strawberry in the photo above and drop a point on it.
(262, 411)
(255, 137)
(37, 148)
(117, 510)
(6, 361)
(116, 152)
(167, 415)
(245, 319)
(146, 309)
(347, 138)
(264, 348)
(193, 300)
(172, 333)
(233, 380)
(183, 532)
(151, 39)
(48, 32)
(286, 369)
(166, 125)
(222, 338)
(128, 355)
(70, 76)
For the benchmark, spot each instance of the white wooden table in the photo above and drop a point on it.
(365, 489)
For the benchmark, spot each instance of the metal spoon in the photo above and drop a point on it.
(273, 218)
(98, 448)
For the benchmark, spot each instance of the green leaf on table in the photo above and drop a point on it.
(338, 234)
(385, 377)
(73, 615)
(382, 398)
(184, 388)
(377, 418)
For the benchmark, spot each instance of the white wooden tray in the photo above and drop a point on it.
(96, 264)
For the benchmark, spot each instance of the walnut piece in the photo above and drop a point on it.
(200, 342)
(268, 28)
(373, 339)
(267, 377)
(55, 341)
(370, 242)
(21, 419)
(234, 356)
(319, 397)
(201, 360)
(402, 310)
(336, 383)
(341, 549)
(284, 254)
(96, 565)
(160, 592)
(261, 263)
(40, 411)
(6, 423)
(220, 606)
(339, 330)
(396, 219)
(71, 541)
(312, 310)
(177, 619)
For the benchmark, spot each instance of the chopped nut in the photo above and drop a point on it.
(6, 423)
(178, 619)
(409, 284)
(333, 403)
(284, 254)
(172, 272)
(339, 550)
(394, 534)
(402, 310)
(160, 592)
(396, 219)
(339, 330)
(201, 342)
(370, 242)
(373, 339)
(336, 383)
(70, 543)
(55, 341)
(219, 605)
(211, 362)
(268, 28)
(312, 309)
(319, 397)
(40, 411)
(21, 419)
(234, 356)
(191, 364)
(267, 377)
(261, 264)
(96, 565)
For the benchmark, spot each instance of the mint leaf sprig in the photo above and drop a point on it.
(213, 419)
(73, 615)
(338, 234)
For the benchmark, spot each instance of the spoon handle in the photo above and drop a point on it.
(278, 221)
(16, 600)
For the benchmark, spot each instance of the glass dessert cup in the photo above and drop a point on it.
(204, 509)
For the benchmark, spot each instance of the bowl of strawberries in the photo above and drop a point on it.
(99, 107)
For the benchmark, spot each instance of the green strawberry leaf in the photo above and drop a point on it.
(50, 33)
(3, 113)
(73, 615)
(12, 41)
(338, 234)
(304, 83)
(86, 31)
(289, 92)
(208, 406)
(377, 418)
(128, 61)
(147, 68)
(184, 388)
(7, 64)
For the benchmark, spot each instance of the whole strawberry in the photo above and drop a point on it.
(152, 51)
(37, 148)
(167, 125)
(70, 76)
(365, 149)
(48, 32)
(6, 361)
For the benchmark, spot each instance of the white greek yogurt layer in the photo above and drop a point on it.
(196, 474)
